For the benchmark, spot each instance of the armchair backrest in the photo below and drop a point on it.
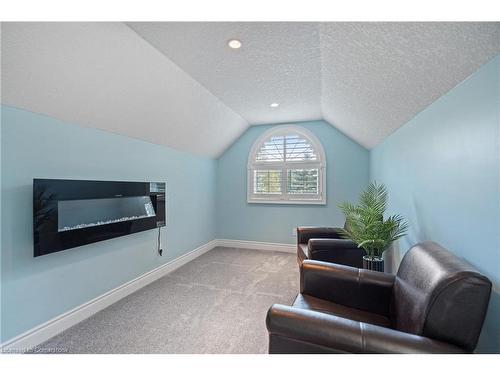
(440, 296)
(304, 234)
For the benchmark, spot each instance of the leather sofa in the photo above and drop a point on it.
(327, 245)
(435, 304)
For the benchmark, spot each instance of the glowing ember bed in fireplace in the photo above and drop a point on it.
(71, 213)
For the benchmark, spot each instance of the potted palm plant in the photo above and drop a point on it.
(366, 226)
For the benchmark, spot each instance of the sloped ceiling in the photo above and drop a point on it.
(278, 62)
(378, 76)
(103, 75)
(178, 84)
(366, 79)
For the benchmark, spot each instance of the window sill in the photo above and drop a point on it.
(286, 202)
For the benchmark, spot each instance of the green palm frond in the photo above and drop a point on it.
(365, 224)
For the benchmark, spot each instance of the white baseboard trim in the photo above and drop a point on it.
(37, 335)
(257, 245)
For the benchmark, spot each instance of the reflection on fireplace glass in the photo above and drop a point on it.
(84, 213)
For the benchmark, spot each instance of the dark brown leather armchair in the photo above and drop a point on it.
(435, 304)
(326, 244)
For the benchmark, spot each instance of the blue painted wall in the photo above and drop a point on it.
(35, 290)
(347, 175)
(442, 170)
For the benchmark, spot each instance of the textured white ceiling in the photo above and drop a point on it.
(278, 62)
(178, 84)
(366, 79)
(377, 76)
(103, 75)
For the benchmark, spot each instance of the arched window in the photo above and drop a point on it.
(286, 165)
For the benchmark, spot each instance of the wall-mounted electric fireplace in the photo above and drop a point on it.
(71, 213)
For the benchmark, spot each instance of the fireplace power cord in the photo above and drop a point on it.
(160, 250)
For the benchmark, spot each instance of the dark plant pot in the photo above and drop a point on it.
(373, 263)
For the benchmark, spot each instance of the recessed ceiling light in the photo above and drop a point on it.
(274, 105)
(234, 43)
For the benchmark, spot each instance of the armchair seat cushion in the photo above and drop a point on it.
(306, 302)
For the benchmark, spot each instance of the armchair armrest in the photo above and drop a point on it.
(354, 287)
(306, 233)
(293, 330)
(340, 251)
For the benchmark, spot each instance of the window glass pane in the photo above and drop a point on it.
(299, 149)
(272, 150)
(267, 182)
(303, 181)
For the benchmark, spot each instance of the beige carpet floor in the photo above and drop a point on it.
(215, 304)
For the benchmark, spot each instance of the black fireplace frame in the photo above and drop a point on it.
(48, 192)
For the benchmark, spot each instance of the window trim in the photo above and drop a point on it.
(286, 198)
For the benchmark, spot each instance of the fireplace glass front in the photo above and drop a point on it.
(84, 213)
